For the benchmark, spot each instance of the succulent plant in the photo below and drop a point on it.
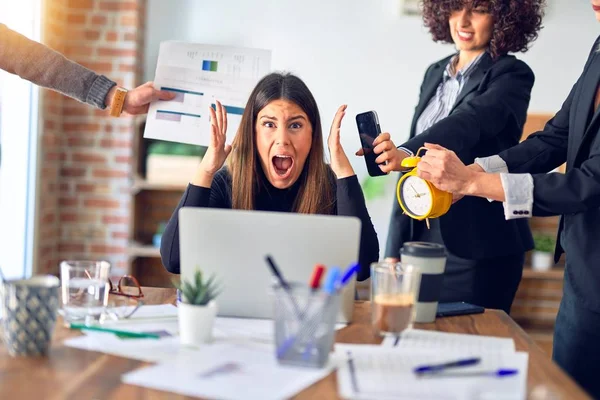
(198, 292)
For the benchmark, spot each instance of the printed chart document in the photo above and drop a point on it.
(199, 74)
(228, 372)
(375, 372)
(432, 340)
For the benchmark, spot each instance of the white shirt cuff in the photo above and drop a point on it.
(493, 164)
(518, 192)
(407, 151)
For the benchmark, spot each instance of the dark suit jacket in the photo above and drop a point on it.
(571, 136)
(488, 117)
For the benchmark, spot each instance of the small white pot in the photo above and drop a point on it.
(541, 261)
(196, 323)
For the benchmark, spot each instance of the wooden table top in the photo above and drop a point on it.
(69, 373)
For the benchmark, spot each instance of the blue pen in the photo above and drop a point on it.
(499, 373)
(353, 269)
(441, 367)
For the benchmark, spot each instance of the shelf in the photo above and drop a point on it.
(140, 184)
(139, 250)
(553, 273)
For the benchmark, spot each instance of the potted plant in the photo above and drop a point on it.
(197, 309)
(171, 162)
(542, 257)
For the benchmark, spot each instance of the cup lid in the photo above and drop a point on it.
(423, 249)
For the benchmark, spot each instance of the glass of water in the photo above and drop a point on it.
(85, 288)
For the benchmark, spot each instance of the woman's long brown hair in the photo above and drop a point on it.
(315, 195)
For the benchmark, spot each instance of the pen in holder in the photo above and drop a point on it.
(307, 341)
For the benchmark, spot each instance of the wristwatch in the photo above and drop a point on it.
(118, 100)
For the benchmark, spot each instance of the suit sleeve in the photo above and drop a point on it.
(351, 202)
(484, 116)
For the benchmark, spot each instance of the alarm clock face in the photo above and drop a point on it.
(416, 196)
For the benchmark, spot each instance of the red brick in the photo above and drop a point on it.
(76, 18)
(106, 249)
(79, 141)
(64, 187)
(83, 4)
(123, 159)
(115, 144)
(71, 247)
(130, 37)
(103, 51)
(101, 203)
(129, 20)
(112, 36)
(127, 68)
(85, 188)
(67, 201)
(49, 124)
(74, 51)
(72, 172)
(88, 157)
(115, 219)
(99, 20)
(68, 217)
(120, 235)
(118, 6)
(53, 156)
(48, 218)
(81, 127)
(77, 111)
(109, 173)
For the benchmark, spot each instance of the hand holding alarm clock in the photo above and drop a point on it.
(418, 198)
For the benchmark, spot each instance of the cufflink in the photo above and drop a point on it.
(515, 212)
(526, 212)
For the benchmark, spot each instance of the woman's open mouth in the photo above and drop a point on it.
(282, 164)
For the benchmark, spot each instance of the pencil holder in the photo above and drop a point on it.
(304, 325)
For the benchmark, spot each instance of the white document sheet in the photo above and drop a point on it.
(199, 74)
(228, 372)
(375, 372)
(433, 340)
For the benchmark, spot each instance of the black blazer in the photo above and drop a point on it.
(488, 117)
(572, 136)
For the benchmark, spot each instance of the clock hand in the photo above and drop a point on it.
(415, 190)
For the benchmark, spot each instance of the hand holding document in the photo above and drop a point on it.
(199, 75)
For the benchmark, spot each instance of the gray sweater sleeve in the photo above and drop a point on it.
(45, 67)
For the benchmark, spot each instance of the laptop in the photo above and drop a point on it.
(232, 245)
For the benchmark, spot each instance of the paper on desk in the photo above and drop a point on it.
(227, 371)
(433, 340)
(383, 374)
(198, 74)
(245, 331)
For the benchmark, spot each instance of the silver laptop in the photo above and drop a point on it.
(232, 244)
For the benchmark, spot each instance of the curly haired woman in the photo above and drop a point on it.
(473, 102)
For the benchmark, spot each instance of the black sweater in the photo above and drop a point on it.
(349, 201)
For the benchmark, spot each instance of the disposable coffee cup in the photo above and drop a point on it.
(430, 259)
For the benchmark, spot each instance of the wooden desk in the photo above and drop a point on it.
(69, 373)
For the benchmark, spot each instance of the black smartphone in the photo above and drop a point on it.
(458, 308)
(368, 129)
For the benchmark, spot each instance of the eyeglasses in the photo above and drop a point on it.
(125, 298)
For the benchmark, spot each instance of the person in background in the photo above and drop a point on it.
(277, 164)
(47, 68)
(475, 103)
(517, 178)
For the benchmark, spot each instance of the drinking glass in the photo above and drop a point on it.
(85, 288)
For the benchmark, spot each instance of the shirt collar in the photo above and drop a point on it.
(467, 69)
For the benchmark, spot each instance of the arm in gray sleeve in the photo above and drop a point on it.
(45, 67)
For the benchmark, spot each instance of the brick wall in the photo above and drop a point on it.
(85, 154)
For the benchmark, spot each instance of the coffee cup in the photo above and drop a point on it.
(29, 310)
(430, 259)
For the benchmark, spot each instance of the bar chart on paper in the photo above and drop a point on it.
(199, 75)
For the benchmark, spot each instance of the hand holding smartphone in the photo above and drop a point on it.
(368, 130)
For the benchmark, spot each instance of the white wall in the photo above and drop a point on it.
(363, 53)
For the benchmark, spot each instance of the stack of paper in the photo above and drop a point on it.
(227, 371)
(375, 372)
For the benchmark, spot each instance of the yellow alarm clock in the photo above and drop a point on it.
(418, 198)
